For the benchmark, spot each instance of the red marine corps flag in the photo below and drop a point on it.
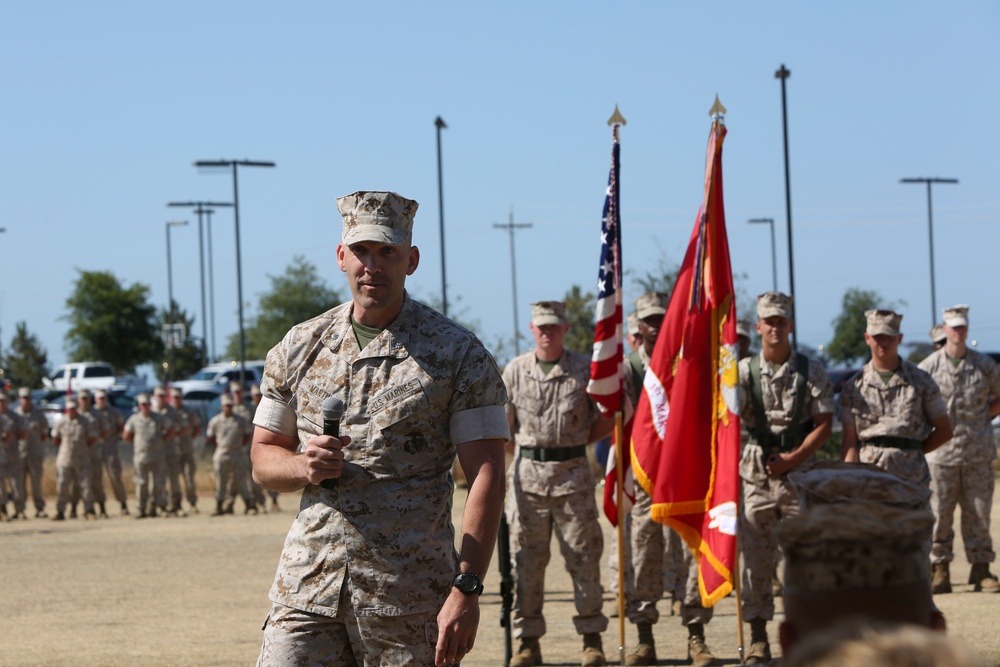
(686, 437)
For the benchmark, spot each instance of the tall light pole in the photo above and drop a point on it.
(170, 301)
(783, 74)
(440, 125)
(774, 257)
(234, 165)
(211, 278)
(200, 208)
(930, 233)
(510, 227)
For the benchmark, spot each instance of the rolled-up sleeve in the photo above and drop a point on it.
(275, 416)
(486, 423)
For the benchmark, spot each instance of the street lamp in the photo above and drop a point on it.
(774, 258)
(200, 207)
(171, 313)
(783, 74)
(510, 227)
(440, 125)
(234, 165)
(930, 233)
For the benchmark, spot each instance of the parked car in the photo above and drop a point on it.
(54, 404)
(90, 375)
(216, 377)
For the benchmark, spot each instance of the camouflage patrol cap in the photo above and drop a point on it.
(743, 328)
(548, 312)
(83, 393)
(3, 395)
(255, 390)
(176, 392)
(937, 334)
(774, 304)
(24, 392)
(882, 322)
(632, 322)
(957, 316)
(226, 399)
(383, 217)
(235, 385)
(71, 403)
(100, 393)
(142, 399)
(859, 528)
(159, 391)
(651, 303)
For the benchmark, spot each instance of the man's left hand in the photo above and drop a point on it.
(458, 622)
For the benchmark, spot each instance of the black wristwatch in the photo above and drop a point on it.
(468, 583)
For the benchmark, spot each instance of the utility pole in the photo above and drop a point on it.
(510, 227)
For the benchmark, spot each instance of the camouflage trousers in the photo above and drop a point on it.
(31, 468)
(187, 469)
(113, 466)
(658, 560)
(230, 480)
(969, 486)
(906, 463)
(766, 501)
(626, 557)
(244, 478)
(97, 474)
(573, 518)
(150, 483)
(293, 638)
(68, 476)
(172, 470)
(10, 489)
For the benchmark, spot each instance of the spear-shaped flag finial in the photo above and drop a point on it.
(617, 118)
(717, 110)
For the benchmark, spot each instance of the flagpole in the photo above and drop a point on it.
(717, 112)
(616, 121)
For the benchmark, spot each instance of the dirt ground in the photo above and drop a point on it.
(193, 591)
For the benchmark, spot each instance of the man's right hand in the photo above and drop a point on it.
(324, 457)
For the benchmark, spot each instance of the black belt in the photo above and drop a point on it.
(546, 454)
(894, 441)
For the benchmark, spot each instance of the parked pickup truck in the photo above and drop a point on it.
(90, 375)
(216, 377)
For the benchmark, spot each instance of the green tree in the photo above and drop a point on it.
(848, 345)
(660, 278)
(111, 322)
(187, 356)
(26, 359)
(580, 307)
(295, 296)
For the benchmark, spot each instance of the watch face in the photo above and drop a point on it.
(467, 583)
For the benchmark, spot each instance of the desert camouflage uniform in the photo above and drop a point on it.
(73, 460)
(189, 419)
(382, 565)
(171, 460)
(10, 463)
(149, 459)
(961, 473)
(243, 484)
(769, 500)
(99, 428)
(658, 555)
(31, 452)
(232, 438)
(903, 407)
(552, 411)
(112, 461)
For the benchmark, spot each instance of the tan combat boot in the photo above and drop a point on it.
(528, 655)
(940, 579)
(645, 652)
(593, 650)
(982, 579)
(760, 648)
(698, 651)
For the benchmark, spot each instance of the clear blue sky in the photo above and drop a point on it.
(106, 105)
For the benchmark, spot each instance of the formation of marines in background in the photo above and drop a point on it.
(162, 435)
(927, 426)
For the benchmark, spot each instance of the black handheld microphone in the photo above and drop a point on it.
(333, 409)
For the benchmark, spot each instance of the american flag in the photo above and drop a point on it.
(607, 365)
